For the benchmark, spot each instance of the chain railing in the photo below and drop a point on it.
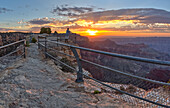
(10, 49)
(155, 97)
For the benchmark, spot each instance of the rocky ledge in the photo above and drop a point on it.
(37, 82)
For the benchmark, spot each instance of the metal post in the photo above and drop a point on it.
(75, 40)
(31, 39)
(38, 43)
(80, 71)
(24, 49)
(45, 47)
(57, 40)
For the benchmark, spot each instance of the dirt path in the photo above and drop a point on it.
(37, 83)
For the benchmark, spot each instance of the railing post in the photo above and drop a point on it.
(80, 71)
(30, 39)
(57, 40)
(38, 43)
(24, 49)
(75, 39)
(45, 47)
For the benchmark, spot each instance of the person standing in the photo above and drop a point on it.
(67, 35)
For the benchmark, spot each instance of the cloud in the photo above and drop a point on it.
(75, 26)
(64, 10)
(21, 21)
(35, 28)
(144, 19)
(13, 30)
(4, 29)
(145, 15)
(128, 20)
(68, 14)
(4, 10)
(156, 19)
(40, 21)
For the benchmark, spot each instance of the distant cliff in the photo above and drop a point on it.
(7, 38)
(159, 75)
(128, 66)
(78, 38)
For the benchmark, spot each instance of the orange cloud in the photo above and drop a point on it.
(123, 22)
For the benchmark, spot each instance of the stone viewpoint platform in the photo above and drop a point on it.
(36, 82)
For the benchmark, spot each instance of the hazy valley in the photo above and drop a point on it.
(139, 47)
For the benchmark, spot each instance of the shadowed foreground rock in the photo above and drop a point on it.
(38, 83)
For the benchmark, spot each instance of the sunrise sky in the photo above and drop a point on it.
(88, 17)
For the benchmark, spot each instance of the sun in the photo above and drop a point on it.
(92, 32)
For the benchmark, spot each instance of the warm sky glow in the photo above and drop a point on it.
(92, 32)
(88, 18)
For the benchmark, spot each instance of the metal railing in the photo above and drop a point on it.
(14, 50)
(80, 73)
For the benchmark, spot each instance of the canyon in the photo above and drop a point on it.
(39, 72)
(128, 66)
(7, 38)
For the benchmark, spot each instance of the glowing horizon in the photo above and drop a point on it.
(130, 19)
(101, 28)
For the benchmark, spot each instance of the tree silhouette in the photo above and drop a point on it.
(55, 32)
(45, 30)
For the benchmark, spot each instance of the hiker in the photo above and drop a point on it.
(67, 35)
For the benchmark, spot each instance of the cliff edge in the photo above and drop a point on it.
(38, 82)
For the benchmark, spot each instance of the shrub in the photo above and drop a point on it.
(121, 88)
(167, 87)
(65, 68)
(27, 44)
(97, 92)
(34, 40)
(131, 89)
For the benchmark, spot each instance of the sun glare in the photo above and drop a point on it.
(92, 32)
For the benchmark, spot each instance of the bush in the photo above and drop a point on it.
(97, 92)
(121, 88)
(131, 89)
(34, 40)
(65, 68)
(167, 87)
(27, 44)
